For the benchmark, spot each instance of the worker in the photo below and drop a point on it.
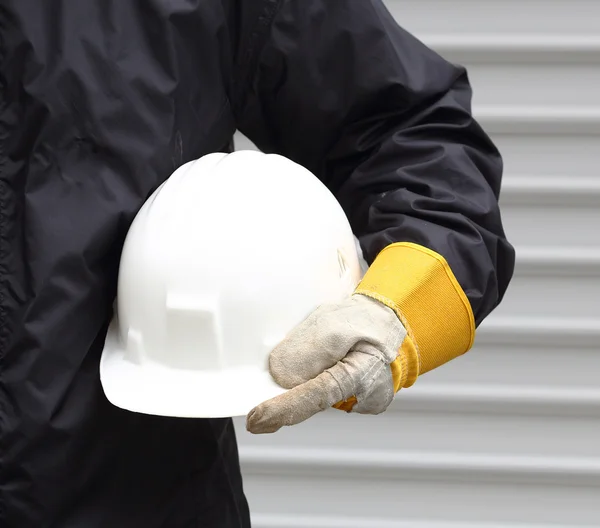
(99, 103)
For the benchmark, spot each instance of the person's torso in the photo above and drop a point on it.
(99, 103)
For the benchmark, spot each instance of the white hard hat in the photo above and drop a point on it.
(220, 263)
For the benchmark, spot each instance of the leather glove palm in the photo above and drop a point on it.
(340, 352)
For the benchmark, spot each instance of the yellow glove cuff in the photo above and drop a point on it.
(419, 286)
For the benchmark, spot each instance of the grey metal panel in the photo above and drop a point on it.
(509, 434)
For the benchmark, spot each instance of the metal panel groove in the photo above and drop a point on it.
(516, 49)
(506, 17)
(539, 120)
(555, 261)
(555, 190)
(502, 399)
(425, 465)
(314, 521)
(532, 330)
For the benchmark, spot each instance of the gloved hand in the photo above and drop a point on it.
(340, 351)
(407, 316)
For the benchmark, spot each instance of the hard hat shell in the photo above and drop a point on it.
(220, 263)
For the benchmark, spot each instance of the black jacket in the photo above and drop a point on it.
(100, 101)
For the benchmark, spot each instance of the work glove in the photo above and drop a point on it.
(340, 351)
(407, 316)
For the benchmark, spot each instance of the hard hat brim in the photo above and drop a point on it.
(158, 390)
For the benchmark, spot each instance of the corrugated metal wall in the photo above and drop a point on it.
(508, 435)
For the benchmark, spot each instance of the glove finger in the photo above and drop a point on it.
(329, 333)
(358, 373)
(315, 345)
(296, 405)
(379, 395)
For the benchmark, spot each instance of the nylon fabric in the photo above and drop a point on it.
(99, 103)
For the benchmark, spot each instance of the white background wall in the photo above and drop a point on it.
(508, 435)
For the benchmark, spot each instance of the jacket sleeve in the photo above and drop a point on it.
(386, 124)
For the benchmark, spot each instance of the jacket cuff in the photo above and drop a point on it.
(418, 284)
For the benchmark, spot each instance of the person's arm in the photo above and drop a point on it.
(386, 124)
